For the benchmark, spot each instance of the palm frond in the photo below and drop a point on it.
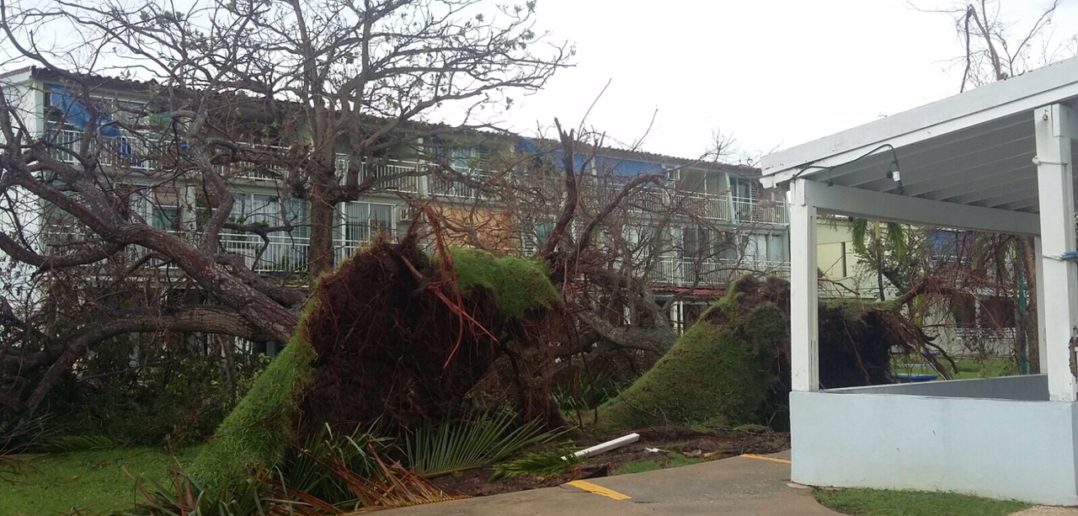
(476, 441)
(896, 237)
(540, 464)
(859, 235)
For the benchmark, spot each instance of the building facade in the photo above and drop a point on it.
(693, 229)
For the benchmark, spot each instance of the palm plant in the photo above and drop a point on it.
(472, 442)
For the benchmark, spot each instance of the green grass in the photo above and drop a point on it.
(967, 367)
(876, 502)
(672, 460)
(90, 482)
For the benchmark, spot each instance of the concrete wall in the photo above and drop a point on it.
(1020, 388)
(998, 448)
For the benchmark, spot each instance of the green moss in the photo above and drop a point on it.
(518, 284)
(254, 436)
(718, 375)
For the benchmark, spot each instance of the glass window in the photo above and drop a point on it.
(297, 212)
(381, 219)
(166, 217)
(742, 188)
(356, 222)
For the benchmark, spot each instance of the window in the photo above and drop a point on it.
(964, 310)
(463, 159)
(743, 189)
(700, 242)
(997, 313)
(363, 221)
(298, 214)
(166, 217)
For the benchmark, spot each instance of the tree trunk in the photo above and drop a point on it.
(1029, 262)
(320, 257)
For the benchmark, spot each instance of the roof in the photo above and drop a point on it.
(118, 83)
(975, 148)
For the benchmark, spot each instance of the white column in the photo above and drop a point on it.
(1055, 181)
(804, 324)
(1042, 354)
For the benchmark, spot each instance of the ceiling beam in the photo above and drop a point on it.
(1047, 85)
(869, 204)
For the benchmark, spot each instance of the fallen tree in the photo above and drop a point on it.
(733, 366)
(393, 336)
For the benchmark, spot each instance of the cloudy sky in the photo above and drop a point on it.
(773, 73)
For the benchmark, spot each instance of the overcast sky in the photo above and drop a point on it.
(773, 73)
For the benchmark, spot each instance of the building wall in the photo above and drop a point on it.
(987, 446)
(840, 265)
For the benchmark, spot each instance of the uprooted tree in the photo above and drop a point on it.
(393, 336)
(733, 365)
(305, 79)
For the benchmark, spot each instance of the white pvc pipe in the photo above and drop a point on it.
(607, 446)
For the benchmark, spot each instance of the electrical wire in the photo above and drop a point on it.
(810, 166)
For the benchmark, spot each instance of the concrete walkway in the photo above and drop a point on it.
(749, 484)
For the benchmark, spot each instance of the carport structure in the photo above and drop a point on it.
(995, 159)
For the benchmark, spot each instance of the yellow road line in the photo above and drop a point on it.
(598, 489)
(764, 457)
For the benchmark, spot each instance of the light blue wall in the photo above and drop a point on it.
(999, 448)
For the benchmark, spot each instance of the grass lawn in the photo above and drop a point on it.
(90, 482)
(875, 502)
(967, 367)
(672, 460)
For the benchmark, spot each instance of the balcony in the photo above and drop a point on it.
(122, 151)
(282, 253)
(687, 273)
(459, 188)
(145, 155)
(757, 211)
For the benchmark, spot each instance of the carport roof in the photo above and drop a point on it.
(976, 148)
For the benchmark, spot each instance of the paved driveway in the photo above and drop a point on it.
(749, 484)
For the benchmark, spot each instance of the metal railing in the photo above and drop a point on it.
(758, 211)
(709, 206)
(469, 187)
(682, 272)
(386, 174)
(119, 151)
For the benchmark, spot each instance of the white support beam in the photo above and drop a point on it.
(1042, 354)
(1055, 180)
(856, 202)
(804, 311)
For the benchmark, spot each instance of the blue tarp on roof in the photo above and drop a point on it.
(603, 164)
(626, 167)
(78, 115)
(527, 146)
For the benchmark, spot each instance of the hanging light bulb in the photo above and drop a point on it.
(893, 172)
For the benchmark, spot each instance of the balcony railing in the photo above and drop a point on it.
(680, 272)
(120, 151)
(407, 176)
(144, 154)
(758, 211)
(709, 206)
(386, 174)
(469, 187)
